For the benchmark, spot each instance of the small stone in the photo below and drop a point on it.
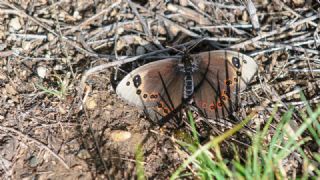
(91, 104)
(109, 107)
(33, 162)
(298, 2)
(191, 23)
(26, 45)
(10, 102)
(14, 24)
(114, 12)
(83, 154)
(51, 37)
(3, 76)
(202, 6)
(77, 15)
(120, 44)
(65, 60)
(62, 109)
(10, 89)
(84, 4)
(58, 67)
(42, 72)
(120, 135)
(245, 16)
(140, 50)
(2, 46)
(120, 30)
(183, 2)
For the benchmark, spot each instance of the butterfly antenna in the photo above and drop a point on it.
(198, 41)
(170, 47)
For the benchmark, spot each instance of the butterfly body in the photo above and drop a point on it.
(188, 66)
(212, 79)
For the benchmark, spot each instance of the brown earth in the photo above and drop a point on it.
(53, 126)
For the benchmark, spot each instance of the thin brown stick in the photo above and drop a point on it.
(93, 18)
(286, 46)
(284, 6)
(35, 20)
(141, 19)
(39, 143)
(162, 17)
(264, 35)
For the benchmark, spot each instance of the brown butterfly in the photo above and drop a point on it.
(211, 80)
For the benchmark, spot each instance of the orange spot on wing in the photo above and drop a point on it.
(228, 82)
(212, 107)
(224, 96)
(219, 104)
(154, 96)
(166, 110)
(204, 105)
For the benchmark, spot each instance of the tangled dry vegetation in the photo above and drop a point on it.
(60, 117)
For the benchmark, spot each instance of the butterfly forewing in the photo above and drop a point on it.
(157, 85)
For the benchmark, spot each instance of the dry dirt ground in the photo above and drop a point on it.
(59, 65)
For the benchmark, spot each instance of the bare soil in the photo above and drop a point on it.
(59, 65)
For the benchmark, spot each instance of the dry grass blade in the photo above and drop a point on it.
(253, 15)
(40, 144)
(274, 32)
(90, 20)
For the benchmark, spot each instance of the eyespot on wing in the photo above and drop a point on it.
(137, 87)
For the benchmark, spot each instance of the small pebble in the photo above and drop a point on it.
(33, 162)
(77, 15)
(58, 67)
(42, 71)
(83, 154)
(14, 24)
(140, 50)
(91, 103)
(26, 45)
(62, 109)
(298, 2)
(10, 89)
(183, 2)
(51, 37)
(120, 135)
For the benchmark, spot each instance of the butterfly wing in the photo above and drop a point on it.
(222, 75)
(157, 85)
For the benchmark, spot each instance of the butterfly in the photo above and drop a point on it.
(210, 80)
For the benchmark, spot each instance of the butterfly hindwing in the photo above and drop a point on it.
(223, 78)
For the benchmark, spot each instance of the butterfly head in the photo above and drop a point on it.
(187, 60)
(188, 63)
